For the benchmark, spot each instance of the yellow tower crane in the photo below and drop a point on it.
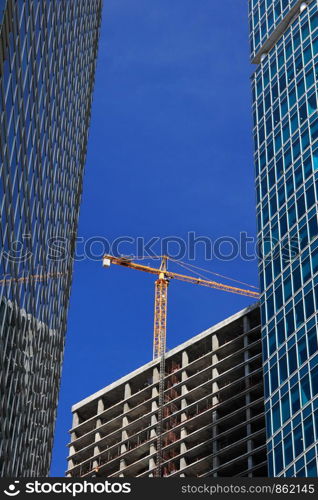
(160, 321)
(161, 289)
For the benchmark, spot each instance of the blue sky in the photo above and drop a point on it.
(170, 151)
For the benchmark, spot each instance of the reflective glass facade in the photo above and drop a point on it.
(2, 8)
(264, 17)
(47, 65)
(286, 159)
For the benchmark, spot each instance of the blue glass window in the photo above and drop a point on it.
(283, 369)
(297, 278)
(312, 104)
(295, 399)
(288, 449)
(312, 341)
(309, 304)
(305, 389)
(316, 421)
(274, 378)
(280, 332)
(312, 469)
(308, 431)
(278, 458)
(290, 323)
(302, 350)
(299, 313)
(306, 272)
(285, 408)
(276, 417)
(314, 380)
(298, 440)
(313, 227)
(292, 359)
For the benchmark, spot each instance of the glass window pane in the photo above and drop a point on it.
(283, 369)
(288, 449)
(298, 440)
(308, 431)
(302, 350)
(305, 390)
(278, 454)
(295, 399)
(309, 304)
(285, 408)
(312, 469)
(276, 417)
(314, 380)
(312, 341)
(274, 377)
(292, 359)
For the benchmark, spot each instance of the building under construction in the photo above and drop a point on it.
(212, 417)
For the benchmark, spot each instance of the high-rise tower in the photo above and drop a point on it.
(47, 64)
(284, 45)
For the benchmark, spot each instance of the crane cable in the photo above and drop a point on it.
(190, 266)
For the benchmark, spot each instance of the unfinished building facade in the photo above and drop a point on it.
(213, 413)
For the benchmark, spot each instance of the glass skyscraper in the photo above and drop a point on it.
(47, 66)
(284, 45)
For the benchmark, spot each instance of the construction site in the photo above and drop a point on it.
(209, 420)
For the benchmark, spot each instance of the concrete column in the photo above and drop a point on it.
(100, 409)
(71, 451)
(127, 391)
(100, 406)
(75, 419)
(96, 449)
(184, 404)
(73, 436)
(215, 401)
(122, 466)
(246, 328)
(185, 362)
(70, 465)
(154, 420)
(125, 422)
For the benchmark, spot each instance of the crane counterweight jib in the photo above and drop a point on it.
(110, 259)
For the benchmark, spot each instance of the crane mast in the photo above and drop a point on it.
(159, 351)
(160, 313)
